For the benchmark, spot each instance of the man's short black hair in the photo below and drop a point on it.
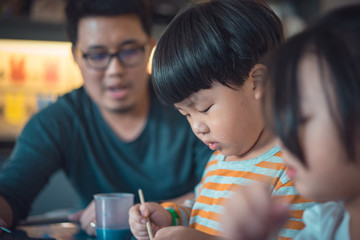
(78, 9)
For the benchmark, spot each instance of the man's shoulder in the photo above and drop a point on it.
(62, 117)
(72, 101)
(76, 97)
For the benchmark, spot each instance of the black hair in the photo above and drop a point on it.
(334, 40)
(78, 9)
(219, 40)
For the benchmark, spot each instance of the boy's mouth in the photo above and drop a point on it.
(213, 145)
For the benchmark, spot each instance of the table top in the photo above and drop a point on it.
(58, 231)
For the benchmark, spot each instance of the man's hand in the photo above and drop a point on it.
(86, 218)
(6, 215)
(3, 224)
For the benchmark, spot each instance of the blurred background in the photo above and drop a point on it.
(36, 65)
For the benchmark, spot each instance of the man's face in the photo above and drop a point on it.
(115, 88)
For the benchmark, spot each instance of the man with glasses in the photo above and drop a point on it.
(112, 134)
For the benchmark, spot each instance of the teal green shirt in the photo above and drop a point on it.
(166, 160)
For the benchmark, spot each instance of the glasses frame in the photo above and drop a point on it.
(85, 56)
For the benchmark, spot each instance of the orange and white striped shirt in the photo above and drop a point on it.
(221, 178)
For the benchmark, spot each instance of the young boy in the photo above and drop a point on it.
(207, 65)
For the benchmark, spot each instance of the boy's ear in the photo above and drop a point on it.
(257, 76)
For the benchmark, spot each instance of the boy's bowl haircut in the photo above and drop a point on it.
(214, 47)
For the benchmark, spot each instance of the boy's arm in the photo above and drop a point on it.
(180, 213)
(181, 210)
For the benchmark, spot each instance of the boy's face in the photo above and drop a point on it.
(225, 119)
(116, 88)
(329, 175)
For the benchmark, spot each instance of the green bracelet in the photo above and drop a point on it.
(174, 216)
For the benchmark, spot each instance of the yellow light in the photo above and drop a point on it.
(14, 109)
(33, 74)
(149, 67)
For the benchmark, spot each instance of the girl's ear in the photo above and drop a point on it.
(257, 76)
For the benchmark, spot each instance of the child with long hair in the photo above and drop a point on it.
(312, 102)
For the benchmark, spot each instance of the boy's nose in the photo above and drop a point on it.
(199, 127)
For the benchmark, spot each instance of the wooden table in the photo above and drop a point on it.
(58, 231)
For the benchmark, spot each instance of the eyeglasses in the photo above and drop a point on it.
(129, 57)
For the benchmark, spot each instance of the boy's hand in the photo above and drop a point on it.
(252, 214)
(181, 233)
(159, 218)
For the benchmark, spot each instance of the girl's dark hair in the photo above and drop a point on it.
(78, 9)
(219, 40)
(334, 40)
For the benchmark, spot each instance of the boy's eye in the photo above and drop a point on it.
(206, 109)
